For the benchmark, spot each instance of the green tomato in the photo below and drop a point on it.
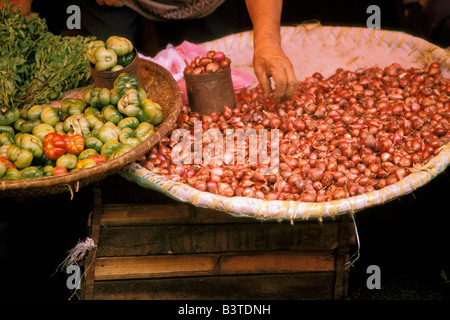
(126, 59)
(92, 111)
(107, 133)
(93, 99)
(31, 143)
(44, 161)
(2, 169)
(77, 124)
(87, 95)
(94, 122)
(12, 174)
(59, 128)
(129, 103)
(105, 59)
(8, 115)
(34, 112)
(144, 131)
(120, 45)
(72, 106)
(124, 82)
(158, 117)
(93, 143)
(109, 147)
(128, 136)
(132, 142)
(142, 93)
(112, 125)
(48, 170)
(67, 160)
(117, 67)
(91, 47)
(148, 110)
(120, 151)
(110, 113)
(104, 96)
(7, 129)
(26, 126)
(3, 150)
(86, 153)
(128, 122)
(42, 129)
(31, 172)
(85, 163)
(6, 138)
(50, 115)
(114, 97)
(21, 158)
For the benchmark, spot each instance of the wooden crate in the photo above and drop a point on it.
(152, 247)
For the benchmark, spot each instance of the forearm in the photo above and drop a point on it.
(265, 16)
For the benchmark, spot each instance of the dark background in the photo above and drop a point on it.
(432, 23)
(407, 238)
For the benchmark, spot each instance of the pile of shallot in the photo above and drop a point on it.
(213, 61)
(351, 133)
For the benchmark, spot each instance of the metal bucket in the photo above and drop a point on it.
(210, 92)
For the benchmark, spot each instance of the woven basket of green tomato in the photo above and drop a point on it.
(86, 136)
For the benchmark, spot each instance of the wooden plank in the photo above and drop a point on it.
(132, 214)
(127, 214)
(114, 268)
(279, 262)
(146, 240)
(142, 267)
(297, 286)
(205, 215)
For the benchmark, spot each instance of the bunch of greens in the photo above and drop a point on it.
(36, 66)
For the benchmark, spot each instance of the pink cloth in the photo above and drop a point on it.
(175, 59)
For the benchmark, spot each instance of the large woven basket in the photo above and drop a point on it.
(315, 48)
(162, 88)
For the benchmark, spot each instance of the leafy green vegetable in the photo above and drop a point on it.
(36, 66)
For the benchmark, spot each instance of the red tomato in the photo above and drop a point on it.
(98, 158)
(54, 145)
(8, 164)
(59, 170)
(74, 143)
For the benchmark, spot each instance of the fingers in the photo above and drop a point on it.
(263, 79)
(282, 73)
(285, 83)
(271, 63)
(280, 79)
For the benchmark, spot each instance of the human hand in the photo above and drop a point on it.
(269, 60)
(111, 3)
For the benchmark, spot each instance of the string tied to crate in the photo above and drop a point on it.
(356, 255)
(75, 255)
